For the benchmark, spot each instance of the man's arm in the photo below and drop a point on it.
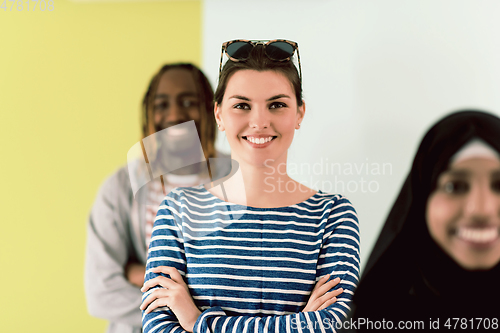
(109, 294)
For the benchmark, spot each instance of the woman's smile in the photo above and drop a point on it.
(480, 237)
(259, 141)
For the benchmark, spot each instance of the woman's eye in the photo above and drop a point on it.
(456, 187)
(495, 186)
(242, 106)
(277, 105)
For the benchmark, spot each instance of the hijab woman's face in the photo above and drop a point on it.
(463, 213)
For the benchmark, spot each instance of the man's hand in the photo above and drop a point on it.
(134, 272)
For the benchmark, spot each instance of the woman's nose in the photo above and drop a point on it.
(260, 118)
(481, 202)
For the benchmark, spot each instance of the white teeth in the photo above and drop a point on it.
(478, 235)
(259, 141)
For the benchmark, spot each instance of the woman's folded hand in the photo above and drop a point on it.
(174, 294)
(321, 296)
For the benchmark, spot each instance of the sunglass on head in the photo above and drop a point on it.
(277, 50)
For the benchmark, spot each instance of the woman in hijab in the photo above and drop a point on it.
(437, 257)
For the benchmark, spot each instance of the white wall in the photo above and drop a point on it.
(376, 75)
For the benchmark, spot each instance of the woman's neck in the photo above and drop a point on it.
(262, 186)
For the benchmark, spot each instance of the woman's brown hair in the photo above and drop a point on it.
(259, 61)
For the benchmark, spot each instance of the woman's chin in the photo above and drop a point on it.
(477, 262)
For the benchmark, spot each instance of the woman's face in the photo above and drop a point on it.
(176, 99)
(259, 114)
(463, 213)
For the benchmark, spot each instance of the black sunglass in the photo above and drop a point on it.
(276, 50)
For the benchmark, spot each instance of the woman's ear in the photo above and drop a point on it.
(218, 118)
(301, 110)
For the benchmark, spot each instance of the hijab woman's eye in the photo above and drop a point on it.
(495, 185)
(456, 187)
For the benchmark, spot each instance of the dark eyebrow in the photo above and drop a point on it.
(277, 97)
(457, 173)
(185, 94)
(240, 97)
(267, 100)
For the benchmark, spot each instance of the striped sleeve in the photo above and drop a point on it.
(339, 256)
(166, 249)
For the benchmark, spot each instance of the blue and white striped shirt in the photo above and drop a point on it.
(252, 269)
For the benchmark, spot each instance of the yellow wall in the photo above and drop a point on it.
(71, 81)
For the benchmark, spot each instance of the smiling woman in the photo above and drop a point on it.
(236, 256)
(463, 211)
(253, 101)
(438, 255)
